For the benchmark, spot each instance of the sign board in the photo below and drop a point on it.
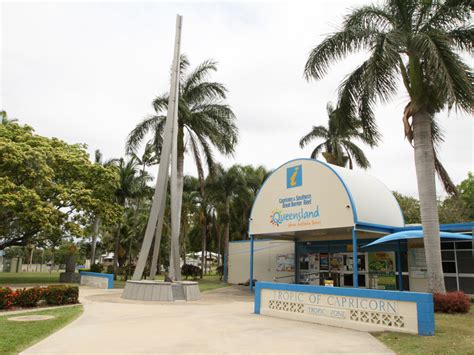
(285, 262)
(301, 195)
(382, 270)
(361, 309)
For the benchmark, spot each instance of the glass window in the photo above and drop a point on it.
(464, 245)
(466, 284)
(447, 255)
(447, 245)
(449, 267)
(451, 284)
(465, 262)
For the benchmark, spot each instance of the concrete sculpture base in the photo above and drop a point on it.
(148, 290)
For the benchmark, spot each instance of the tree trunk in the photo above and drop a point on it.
(425, 174)
(227, 233)
(95, 233)
(219, 263)
(116, 250)
(203, 242)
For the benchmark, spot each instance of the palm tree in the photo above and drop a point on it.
(5, 120)
(131, 186)
(338, 145)
(204, 121)
(226, 185)
(418, 42)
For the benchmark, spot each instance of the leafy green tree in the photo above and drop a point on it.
(338, 136)
(410, 207)
(418, 42)
(48, 188)
(466, 192)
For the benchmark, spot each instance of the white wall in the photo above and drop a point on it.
(265, 260)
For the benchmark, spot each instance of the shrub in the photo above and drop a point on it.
(190, 270)
(6, 297)
(61, 294)
(451, 302)
(110, 269)
(97, 268)
(28, 297)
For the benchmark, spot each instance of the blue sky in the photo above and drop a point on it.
(87, 73)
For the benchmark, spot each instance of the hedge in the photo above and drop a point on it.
(30, 297)
(451, 302)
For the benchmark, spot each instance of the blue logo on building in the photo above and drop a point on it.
(294, 176)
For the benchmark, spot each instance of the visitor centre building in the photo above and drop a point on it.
(319, 224)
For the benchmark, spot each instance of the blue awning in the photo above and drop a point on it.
(414, 235)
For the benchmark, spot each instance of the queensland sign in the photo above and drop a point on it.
(295, 211)
(301, 195)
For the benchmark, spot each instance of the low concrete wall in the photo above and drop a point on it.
(149, 290)
(96, 279)
(360, 309)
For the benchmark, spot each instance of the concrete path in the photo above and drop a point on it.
(221, 323)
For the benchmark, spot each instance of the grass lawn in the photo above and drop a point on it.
(207, 283)
(17, 336)
(454, 335)
(7, 278)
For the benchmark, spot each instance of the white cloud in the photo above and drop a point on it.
(87, 72)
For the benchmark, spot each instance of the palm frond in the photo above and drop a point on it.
(316, 132)
(451, 79)
(152, 124)
(316, 151)
(353, 151)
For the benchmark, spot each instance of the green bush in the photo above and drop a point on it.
(190, 270)
(28, 297)
(97, 268)
(110, 269)
(61, 294)
(6, 298)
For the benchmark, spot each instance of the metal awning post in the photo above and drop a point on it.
(399, 266)
(251, 263)
(355, 261)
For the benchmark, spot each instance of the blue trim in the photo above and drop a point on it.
(424, 301)
(376, 227)
(351, 200)
(248, 240)
(110, 277)
(355, 260)
(467, 227)
(251, 263)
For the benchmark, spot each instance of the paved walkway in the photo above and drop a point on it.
(221, 323)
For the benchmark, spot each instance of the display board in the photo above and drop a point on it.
(382, 270)
(285, 262)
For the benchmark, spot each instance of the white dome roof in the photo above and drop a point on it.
(307, 194)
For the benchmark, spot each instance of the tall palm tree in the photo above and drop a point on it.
(418, 42)
(130, 187)
(338, 145)
(226, 185)
(204, 121)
